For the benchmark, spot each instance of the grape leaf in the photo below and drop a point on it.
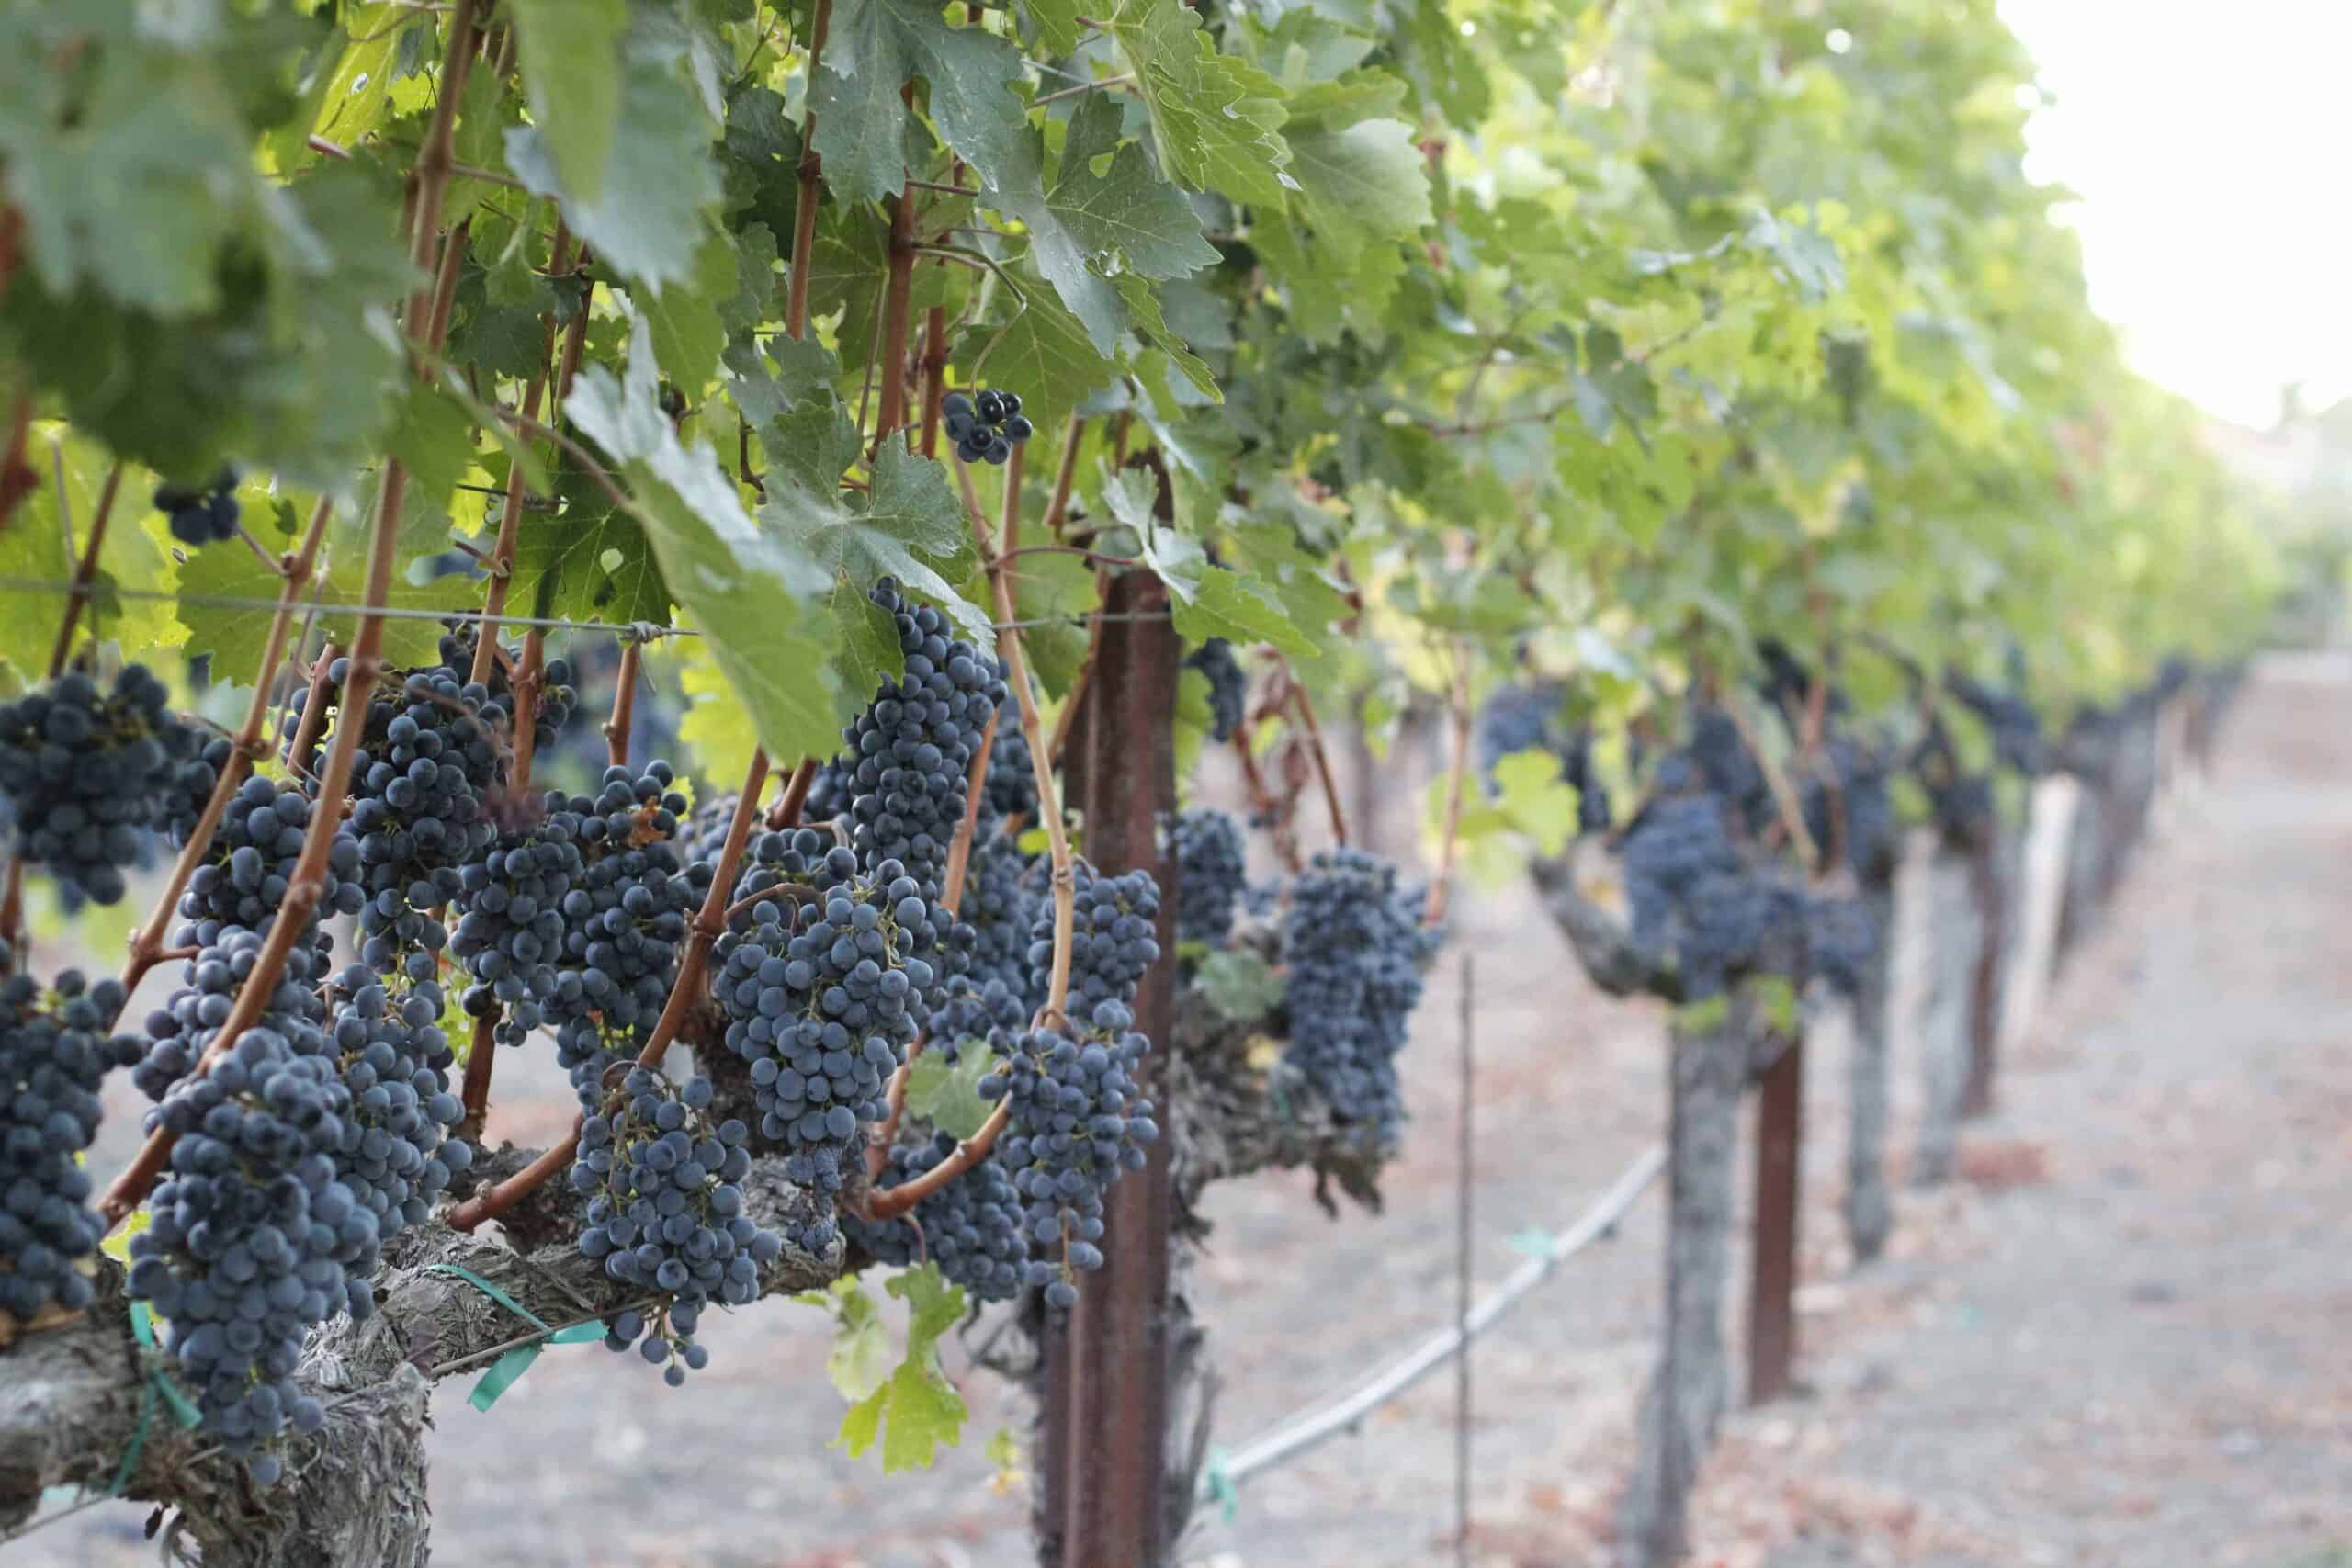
(1128, 208)
(1209, 601)
(1045, 352)
(571, 75)
(864, 129)
(1215, 120)
(687, 329)
(916, 1411)
(909, 525)
(1153, 329)
(646, 220)
(743, 587)
(942, 1086)
(1240, 985)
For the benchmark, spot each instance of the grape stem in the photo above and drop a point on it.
(301, 752)
(481, 1059)
(934, 373)
(951, 894)
(786, 813)
(492, 1202)
(1075, 701)
(617, 728)
(292, 921)
(1262, 803)
(17, 480)
(1776, 780)
(1317, 750)
(1456, 780)
(897, 1201)
(1016, 675)
(500, 565)
(897, 299)
(711, 920)
(804, 213)
(85, 573)
(147, 947)
(1057, 507)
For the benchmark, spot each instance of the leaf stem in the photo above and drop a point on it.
(617, 728)
(1322, 756)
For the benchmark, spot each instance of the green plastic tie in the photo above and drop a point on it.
(508, 1369)
(142, 1328)
(1221, 1487)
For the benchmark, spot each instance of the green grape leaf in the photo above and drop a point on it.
(433, 439)
(1153, 329)
(909, 525)
(130, 170)
(1128, 208)
(590, 561)
(688, 330)
(916, 1411)
(1239, 984)
(1535, 799)
(1209, 601)
(1044, 351)
(1055, 24)
(1215, 120)
(864, 129)
(861, 1359)
(646, 220)
(942, 1086)
(743, 587)
(1359, 186)
(237, 637)
(571, 75)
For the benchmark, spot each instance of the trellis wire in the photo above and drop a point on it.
(1294, 1437)
(645, 631)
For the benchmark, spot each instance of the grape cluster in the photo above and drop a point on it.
(666, 1214)
(1002, 892)
(1864, 807)
(1212, 875)
(1693, 900)
(2016, 729)
(1011, 789)
(1112, 938)
(395, 1154)
(557, 697)
(179, 1030)
(914, 743)
(1353, 949)
(822, 999)
(971, 1228)
(249, 864)
(429, 752)
(510, 930)
(1074, 1120)
(55, 1050)
(254, 1238)
(200, 517)
(985, 427)
(87, 774)
(1228, 685)
(625, 919)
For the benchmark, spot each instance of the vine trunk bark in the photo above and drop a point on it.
(1870, 1206)
(1955, 935)
(1710, 1061)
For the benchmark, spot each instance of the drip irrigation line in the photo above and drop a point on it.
(1302, 1432)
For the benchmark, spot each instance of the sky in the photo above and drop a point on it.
(2211, 146)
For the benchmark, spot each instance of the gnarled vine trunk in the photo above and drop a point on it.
(1709, 1064)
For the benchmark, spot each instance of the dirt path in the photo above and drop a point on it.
(2119, 1342)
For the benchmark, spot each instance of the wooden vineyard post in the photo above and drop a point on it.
(1780, 1149)
(2000, 875)
(1109, 1366)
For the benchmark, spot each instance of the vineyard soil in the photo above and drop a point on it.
(2117, 1340)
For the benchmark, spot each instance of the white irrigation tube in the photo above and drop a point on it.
(1303, 1432)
